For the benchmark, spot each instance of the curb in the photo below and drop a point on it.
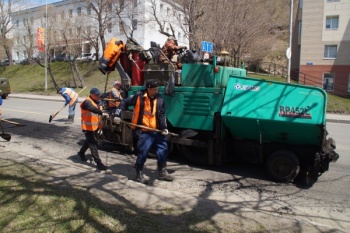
(80, 100)
(338, 121)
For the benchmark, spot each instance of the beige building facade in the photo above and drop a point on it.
(324, 44)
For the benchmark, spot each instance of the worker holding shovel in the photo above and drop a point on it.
(149, 111)
(71, 98)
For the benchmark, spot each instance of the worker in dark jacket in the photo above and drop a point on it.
(71, 98)
(91, 111)
(149, 111)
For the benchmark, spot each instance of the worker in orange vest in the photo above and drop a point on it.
(149, 110)
(115, 94)
(71, 98)
(91, 123)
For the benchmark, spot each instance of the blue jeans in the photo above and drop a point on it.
(145, 143)
(71, 108)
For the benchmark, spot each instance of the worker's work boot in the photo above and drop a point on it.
(82, 157)
(101, 166)
(70, 119)
(163, 173)
(139, 175)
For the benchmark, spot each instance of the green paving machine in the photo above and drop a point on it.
(221, 115)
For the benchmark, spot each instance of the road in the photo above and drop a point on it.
(230, 188)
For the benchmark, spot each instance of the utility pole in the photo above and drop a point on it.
(46, 46)
(289, 50)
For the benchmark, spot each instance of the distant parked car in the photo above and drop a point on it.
(60, 57)
(6, 62)
(87, 57)
(5, 88)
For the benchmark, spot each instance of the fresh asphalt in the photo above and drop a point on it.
(331, 117)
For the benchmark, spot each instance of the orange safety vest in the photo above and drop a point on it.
(90, 121)
(114, 103)
(72, 95)
(149, 118)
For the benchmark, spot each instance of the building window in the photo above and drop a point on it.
(300, 26)
(332, 22)
(70, 13)
(178, 35)
(330, 51)
(349, 83)
(62, 14)
(134, 24)
(328, 81)
(17, 23)
(167, 11)
(88, 10)
(79, 11)
(109, 28)
(161, 7)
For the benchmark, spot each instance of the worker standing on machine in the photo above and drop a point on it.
(169, 49)
(91, 123)
(149, 111)
(115, 94)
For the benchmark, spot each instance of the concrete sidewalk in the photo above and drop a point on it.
(331, 117)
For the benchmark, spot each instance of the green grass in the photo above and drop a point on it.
(31, 79)
(33, 199)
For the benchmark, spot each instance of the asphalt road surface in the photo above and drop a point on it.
(325, 205)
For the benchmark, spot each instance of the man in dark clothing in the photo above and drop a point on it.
(149, 111)
(91, 111)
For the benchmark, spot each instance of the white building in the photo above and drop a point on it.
(72, 26)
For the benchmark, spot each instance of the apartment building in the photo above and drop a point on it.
(72, 26)
(324, 44)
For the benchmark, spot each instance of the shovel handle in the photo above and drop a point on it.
(148, 128)
(11, 122)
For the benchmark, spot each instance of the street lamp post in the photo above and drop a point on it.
(289, 50)
(46, 45)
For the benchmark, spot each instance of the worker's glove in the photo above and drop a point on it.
(184, 47)
(105, 115)
(165, 132)
(99, 132)
(118, 112)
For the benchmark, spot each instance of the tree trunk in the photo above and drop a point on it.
(78, 74)
(51, 75)
(73, 73)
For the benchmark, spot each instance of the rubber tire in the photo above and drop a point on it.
(4, 96)
(283, 166)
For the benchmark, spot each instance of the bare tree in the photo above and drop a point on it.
(6, 9)
(126, 12)
(103, 16)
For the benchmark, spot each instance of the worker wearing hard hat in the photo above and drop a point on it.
(115, 95)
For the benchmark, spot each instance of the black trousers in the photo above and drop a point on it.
(91, 143)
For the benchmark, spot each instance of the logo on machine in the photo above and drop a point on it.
(242, 87)
(295, 112)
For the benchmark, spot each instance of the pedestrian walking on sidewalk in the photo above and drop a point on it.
(149, 110)
(71, 98)
(91, 123)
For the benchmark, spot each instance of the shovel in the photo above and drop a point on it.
(53, 115)
(4, 135)
(148, 128)
(11, 122)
